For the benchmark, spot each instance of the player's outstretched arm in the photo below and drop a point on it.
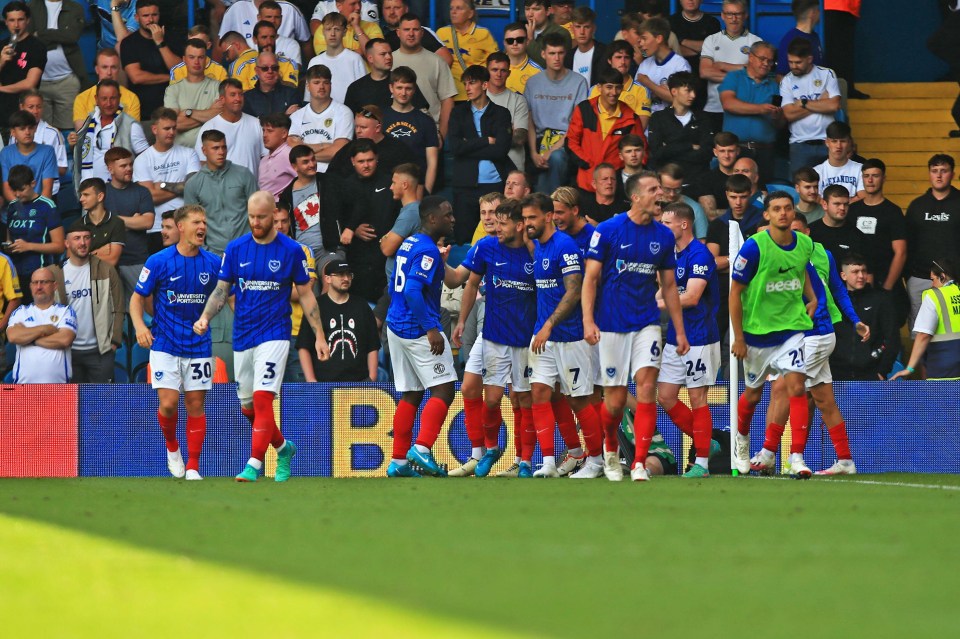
(312, 312)
(671, 298)
(214, 305)
(144, 336)
(467, 302)
(588, 300)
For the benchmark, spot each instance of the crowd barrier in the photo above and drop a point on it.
(344, 430)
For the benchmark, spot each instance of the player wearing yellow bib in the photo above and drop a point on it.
(769, 316)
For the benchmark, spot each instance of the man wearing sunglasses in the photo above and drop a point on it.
(522, 68)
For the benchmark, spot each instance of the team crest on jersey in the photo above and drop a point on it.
(528, 268)
(681, 271)
(594, 239)
(546, 263)
(611, 371)
(426, 263)
(144, 274)
(274, 265)
(54, 318)
(745, 50)
(328, 122)
(204, 278)
(818, 83)
(158, 375)
(654, 247)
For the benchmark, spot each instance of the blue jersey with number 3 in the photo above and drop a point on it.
(263, 275)
(180, 286)
(415, 288)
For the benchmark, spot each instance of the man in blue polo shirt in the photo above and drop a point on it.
(751, 106)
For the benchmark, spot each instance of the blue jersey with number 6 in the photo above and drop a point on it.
(415, 288)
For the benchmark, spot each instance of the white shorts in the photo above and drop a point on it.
(773, 360)
(816, 351)
(180, 373)
(572, 364)
(504, 365)
(696, 369)
(415, 368)
(623, 354)
(475, 358)
(260, 368)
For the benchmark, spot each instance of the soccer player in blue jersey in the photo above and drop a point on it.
(178, 279)
(511, 310)
(260, 267)
(699, 289)
(476, 413)
(768, 316)
(627, 255)
(818, 345)
(559, 353)
(419, 350)
(567, 218)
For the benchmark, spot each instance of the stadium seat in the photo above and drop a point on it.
(779, 186)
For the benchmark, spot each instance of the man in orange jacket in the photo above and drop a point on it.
(596, 127)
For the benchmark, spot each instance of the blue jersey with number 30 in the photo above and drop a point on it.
(180, 286)
(415, 288)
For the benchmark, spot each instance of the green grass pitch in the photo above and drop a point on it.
(865, 556)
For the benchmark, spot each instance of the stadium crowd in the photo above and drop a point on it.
(380, 150)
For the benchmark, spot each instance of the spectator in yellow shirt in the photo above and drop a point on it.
(213, 70)
(359, 31)
(468, 42)
(522, 68)
(107, 67)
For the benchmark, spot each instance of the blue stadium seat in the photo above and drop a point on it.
(779, 186)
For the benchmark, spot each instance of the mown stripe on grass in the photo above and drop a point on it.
(63, 583)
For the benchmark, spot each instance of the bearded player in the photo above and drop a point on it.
(261, 267)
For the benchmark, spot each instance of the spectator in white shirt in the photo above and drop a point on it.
(326, 126)
(243, 132)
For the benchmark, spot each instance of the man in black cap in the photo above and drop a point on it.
(349, 327)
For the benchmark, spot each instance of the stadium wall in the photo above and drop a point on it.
(344, 430)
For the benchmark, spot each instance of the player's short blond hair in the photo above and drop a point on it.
(188, 209)
(490, 198)
(566, 195)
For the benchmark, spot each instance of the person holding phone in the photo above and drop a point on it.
(22, 57)
(751, 107)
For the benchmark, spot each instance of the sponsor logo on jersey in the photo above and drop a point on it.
(426, 262)
(784, 285)
(501, 282)
(185, 298)
(740, 264)
(642, 268)
(594, 239)
(258, 285)
(144, 274)
(439, 369)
